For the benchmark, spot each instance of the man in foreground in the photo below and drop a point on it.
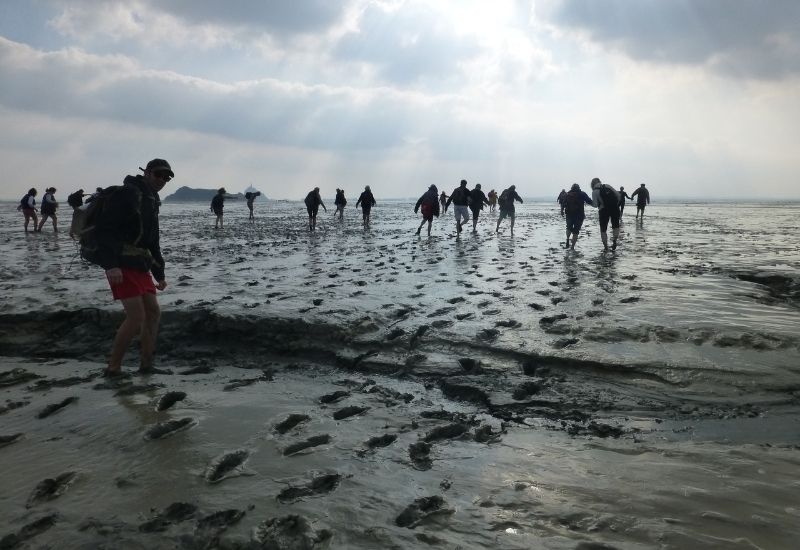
(128, 249)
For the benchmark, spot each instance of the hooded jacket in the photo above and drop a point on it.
(127, 229)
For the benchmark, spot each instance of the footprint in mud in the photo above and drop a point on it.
(465, 316)
(449, 431)
(289, 532)
(396, 333)
(463, 392)
(43, 385)
(290, 422)
(441, 323)
(169, 399)
(28, 531)
(491, 312)
(537, 307)
(486, 434)
(550, 320)
(509, 323)
(595, 313)
(557, 300)
(347, 412)
(441, 311)
(134, 389)
(419, 333)
(51, 488)
(168, 428)
(319, 485)
(55, 407)
(219, 521)
(334, 397)
(227, 465)
(630, 300)
(314, 441)
(174, 513)
(420, 454)
(11, 405)
(562, 343)
(420, 510)
(16, 376)
(380, 441)
(266, 376)
(9, 439)
(488, 334)
(525, 390)
(470, 365)
(596, 429)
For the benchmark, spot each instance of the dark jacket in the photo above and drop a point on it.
(459, 197)
(313, 199)
(366, 200)
(430, 197)
(643, 196)
(507, 198)
(218, 203)
(573, 202)
(127, 229)
(340, 199)
(477, 199)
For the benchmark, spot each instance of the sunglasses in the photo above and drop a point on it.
(162, 175)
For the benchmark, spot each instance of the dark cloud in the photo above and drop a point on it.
(745, 38)
(407, 45)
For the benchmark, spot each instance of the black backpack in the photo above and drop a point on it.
(610, 198)
(86, 220)
(573, 202)
(23, 202)
(75, 200)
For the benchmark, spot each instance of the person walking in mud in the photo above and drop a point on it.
(217, 207)
(429, 204)
(492, 197)
(476, 201)
(367, 201)
(129, 250)
(560, 201)
(250, 197)
(506, 203)
(443, 201)
(313, 202)
(606, 199)
(642, 199)
(48, 209)
(75, 200)
(340, 203)
(574, 213)
(460, 199)
(622, 197)
(28, 206)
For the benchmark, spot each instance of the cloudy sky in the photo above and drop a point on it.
(696, 98)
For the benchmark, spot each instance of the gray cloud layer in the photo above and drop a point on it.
(740, 38)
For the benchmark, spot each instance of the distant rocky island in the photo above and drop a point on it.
(187, 194)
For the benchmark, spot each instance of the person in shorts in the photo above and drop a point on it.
(506, 203)
(130, 252)
(48, 209)
(460, 199)
(429, 203)
(28, 206)
(218, 206)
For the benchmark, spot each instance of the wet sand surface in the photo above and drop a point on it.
(374, 389)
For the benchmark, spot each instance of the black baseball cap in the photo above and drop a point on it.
(158, 165)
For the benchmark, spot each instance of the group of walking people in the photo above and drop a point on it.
(610, 204)
(49, 207)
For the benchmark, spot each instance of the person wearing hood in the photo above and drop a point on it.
(642, 199)
(367, 201)
(429, 203)
(460, 199)
(560, 201)
(572, 205)
(476, 201)
(128, 249)
(217, 206)
(313, 202)
(606, 199)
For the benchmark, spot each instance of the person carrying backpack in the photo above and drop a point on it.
(123, 230)
(313, 202)
(367, 201)
(476, 201)
(506, 203)
(429, 203)
(606, 199)
(28, 206)
(340, 201)
(48, 209)
(572, 204)
(460, 198)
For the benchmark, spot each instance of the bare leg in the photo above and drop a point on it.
(130, 327)
(430, 222)
(55, 224)
(152, 317)
(513, 219)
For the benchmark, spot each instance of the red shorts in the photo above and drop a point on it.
(134, 283)
(427, 212)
